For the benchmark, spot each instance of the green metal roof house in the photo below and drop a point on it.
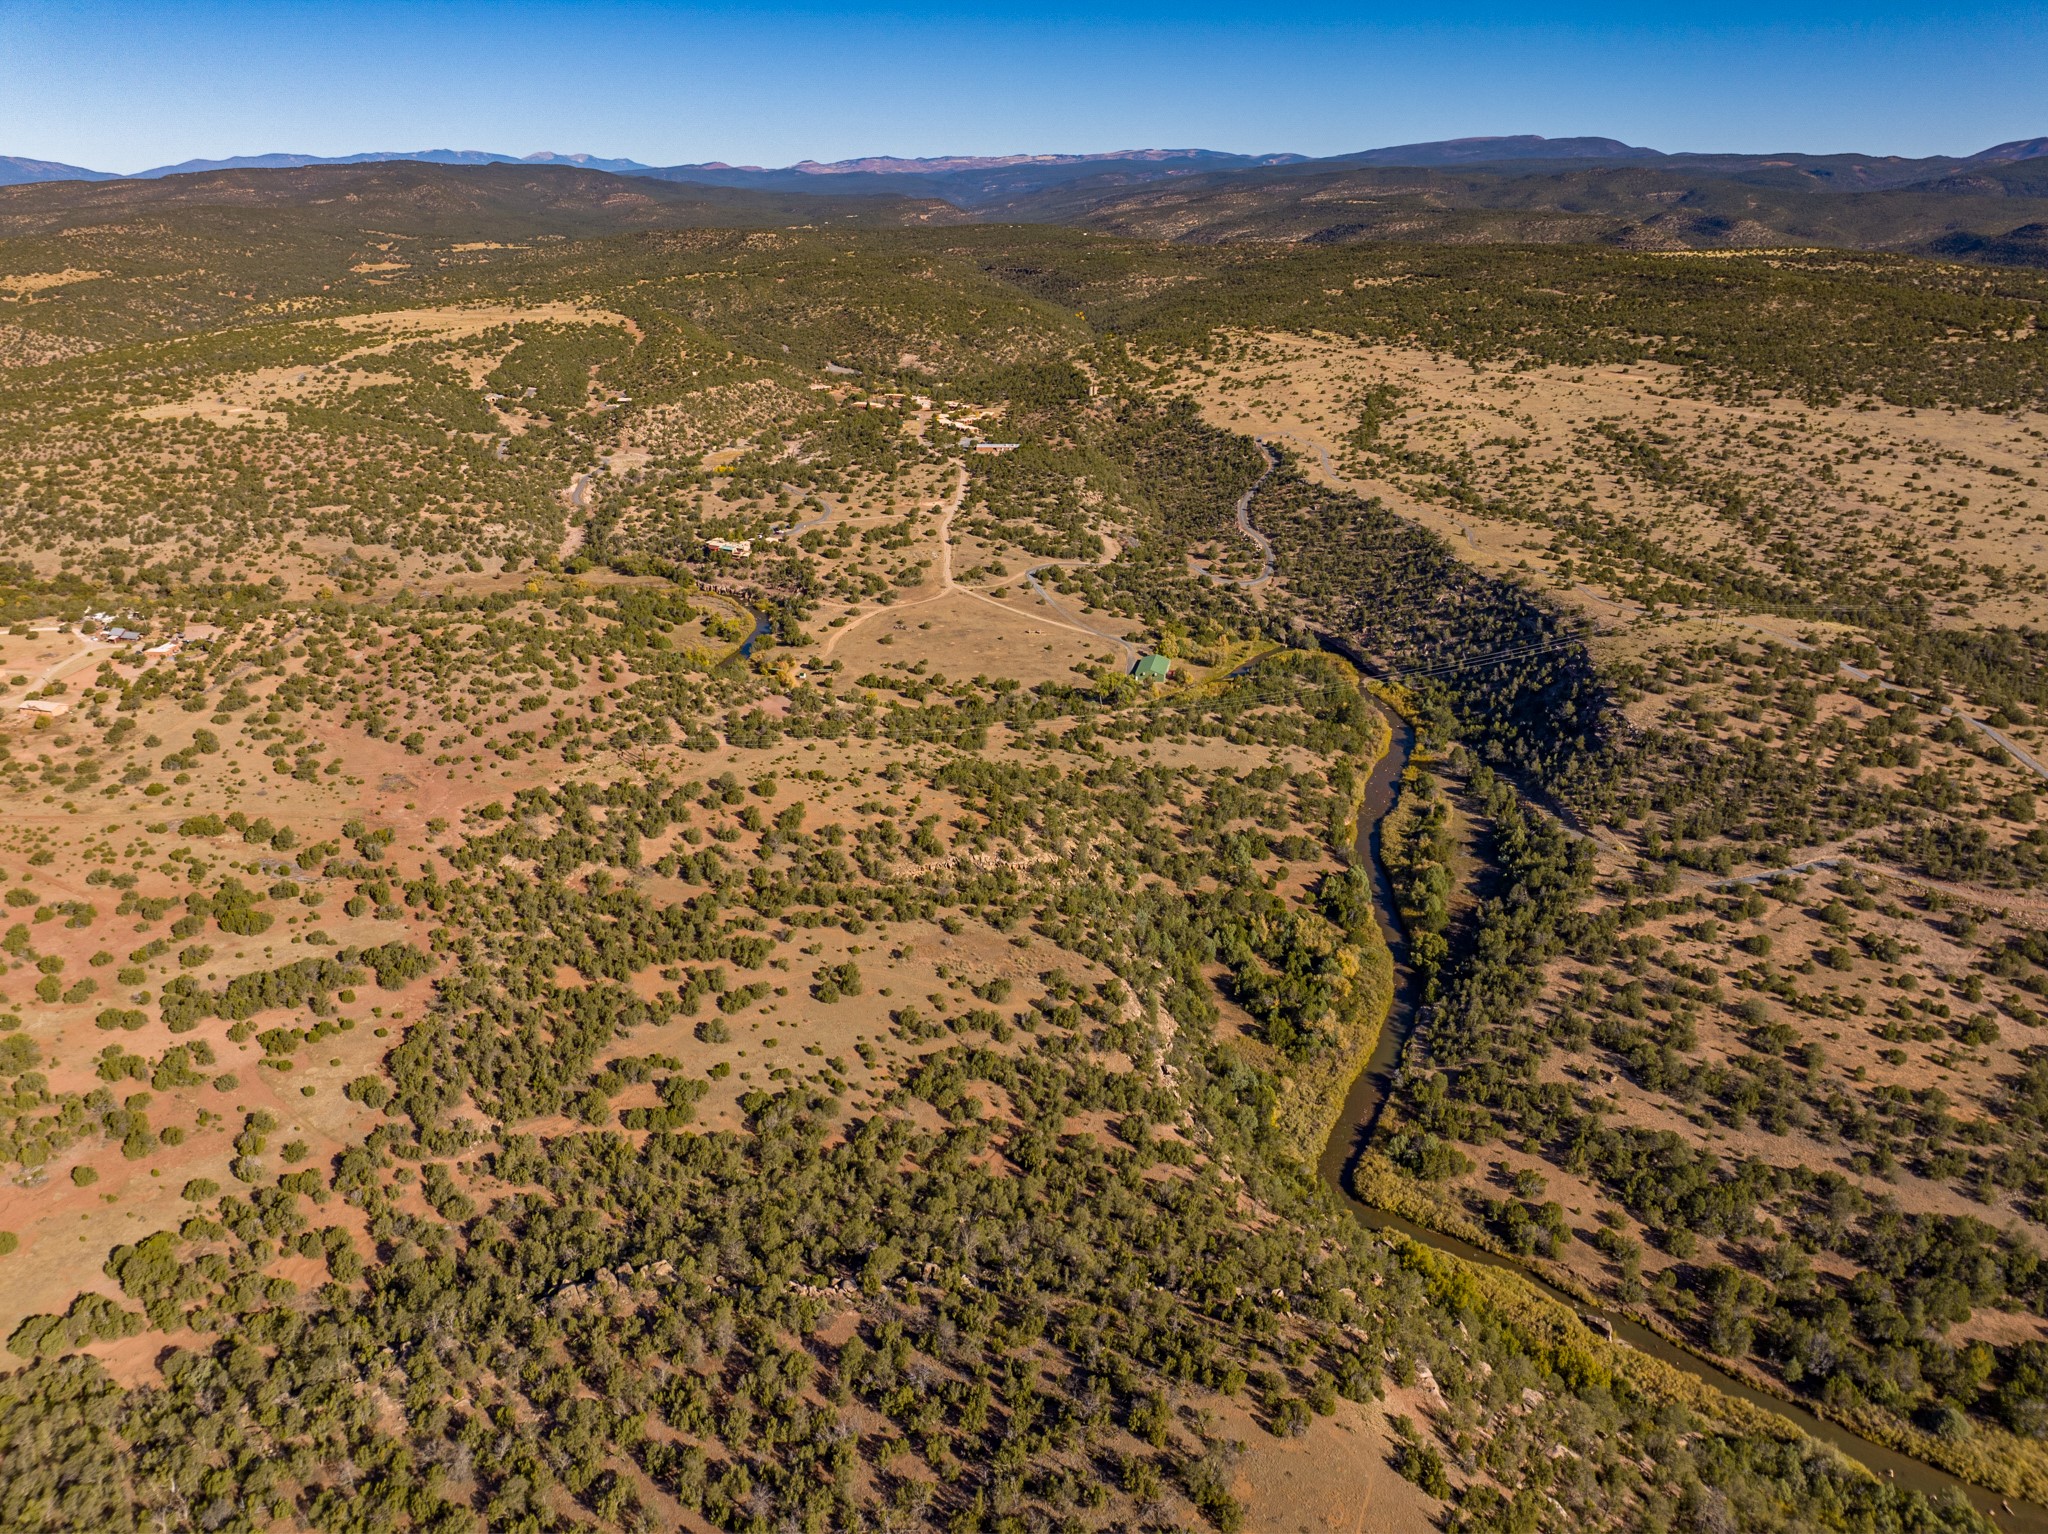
(1153, 668)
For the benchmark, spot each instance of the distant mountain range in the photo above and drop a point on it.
(15, 171)
(492, 201)
(1990, 207)
(885, 165)
(985, 174)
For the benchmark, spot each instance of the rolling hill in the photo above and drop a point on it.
(476, 201)
(1986, 207)
(1980, 215)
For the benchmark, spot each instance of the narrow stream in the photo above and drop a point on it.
(1368, 1097)
(761, 626)
(746, 649)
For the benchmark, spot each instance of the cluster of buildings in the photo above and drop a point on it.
(108, 630)
(111, 631)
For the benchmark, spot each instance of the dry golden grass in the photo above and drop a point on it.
(1961, 487)
(24, 283)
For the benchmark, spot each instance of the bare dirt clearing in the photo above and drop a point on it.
(1630, 447)
(1337, 1478)
(23, 284)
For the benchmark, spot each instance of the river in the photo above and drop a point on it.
(1368, 1097)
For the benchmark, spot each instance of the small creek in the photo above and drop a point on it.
(1360, 1118)
(761, 626)
(746, 647)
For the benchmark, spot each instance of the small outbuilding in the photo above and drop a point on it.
(1152, 668)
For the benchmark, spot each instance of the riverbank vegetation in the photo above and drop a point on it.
(1740, 1046)
(479, 1051)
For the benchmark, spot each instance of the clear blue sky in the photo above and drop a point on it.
(122, 86)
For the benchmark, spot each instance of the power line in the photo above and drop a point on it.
(1512, 652)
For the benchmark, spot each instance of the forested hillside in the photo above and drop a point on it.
(603, 932)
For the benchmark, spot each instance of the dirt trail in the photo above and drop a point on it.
(1071, 622)
(947, 509)
(791, 534)
(1111, 551)
(949, 587)
(578, 496)
(1066, 620)
(1997, 737)
(2018, 752)
(57, 670)
(1244, 522)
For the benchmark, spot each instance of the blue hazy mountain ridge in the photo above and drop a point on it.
(978, 183)
(491, 201)
(17, 171)
(423, 156)
(968, 179)
(1988, 207)
(1493, 149)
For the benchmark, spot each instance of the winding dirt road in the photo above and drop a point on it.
(948, 509)
(1244, 522)
(791, 534)
(578, 496)
(948, 587)
(2018, 752)
(89, 652)
(1066, 620)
